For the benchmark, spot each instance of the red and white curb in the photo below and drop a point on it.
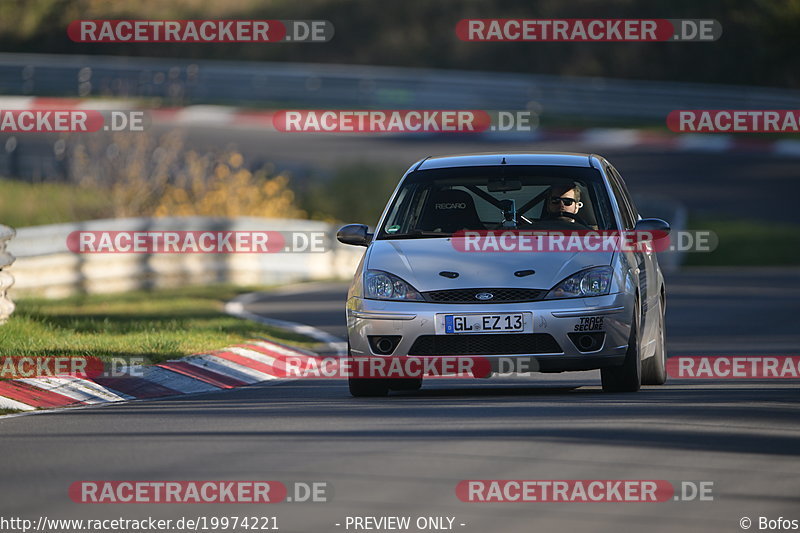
(253, 362)
(600, 137)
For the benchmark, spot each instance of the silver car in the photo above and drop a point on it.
(418, 293)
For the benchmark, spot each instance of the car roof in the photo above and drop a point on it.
(561, 159)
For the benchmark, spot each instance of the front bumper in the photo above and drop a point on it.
(416, 321)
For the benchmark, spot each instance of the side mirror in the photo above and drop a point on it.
(355, 234)
(654, 225)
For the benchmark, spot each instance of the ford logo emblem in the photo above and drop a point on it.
(484, 296)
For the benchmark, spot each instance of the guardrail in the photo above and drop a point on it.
(184, 82)
(46, 267)
(6, 279)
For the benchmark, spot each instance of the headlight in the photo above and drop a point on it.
(381, 285)
(590, 282)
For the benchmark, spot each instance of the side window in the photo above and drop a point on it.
(626, 194)
(628, 217)
(418, 201)
(399, 213)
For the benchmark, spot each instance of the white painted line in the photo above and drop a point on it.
(176, 381)
(297, 359)
(229, 368)
(205, 114)
(705, 142)
(17, 102)
(282, 349)
(8, 403)
(236, 308)
(49, 384)
(616, 137)
(68, 387)
(786, 147)
(98, 390)
(258, 356)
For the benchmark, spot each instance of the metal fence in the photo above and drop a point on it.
(184, 82)
(46, 267)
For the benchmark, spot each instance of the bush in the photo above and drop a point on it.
(142, 175)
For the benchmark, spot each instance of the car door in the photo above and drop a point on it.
(644, 259)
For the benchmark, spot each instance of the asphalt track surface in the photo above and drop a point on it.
(404, 455)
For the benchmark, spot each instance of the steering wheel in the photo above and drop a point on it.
(573, 216)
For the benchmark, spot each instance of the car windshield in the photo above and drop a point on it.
(440, 202)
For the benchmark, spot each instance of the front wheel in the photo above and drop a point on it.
(654, 369)
(626, 378)
(405, 384)
(366, 387)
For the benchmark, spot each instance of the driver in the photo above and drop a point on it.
(564, 199)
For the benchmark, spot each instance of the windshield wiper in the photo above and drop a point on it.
(416, 234)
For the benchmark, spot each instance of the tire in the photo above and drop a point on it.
(628, 376)
(366, 387)
(654, 369)
(405, 384)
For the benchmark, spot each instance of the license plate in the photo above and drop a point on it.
(488, 323)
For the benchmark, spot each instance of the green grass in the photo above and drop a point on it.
(31, 204)
(159, 325)
(8, 411)
(748, 243)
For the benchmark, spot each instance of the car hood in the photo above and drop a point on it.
(419, 261)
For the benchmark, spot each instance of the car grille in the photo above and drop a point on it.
(485, 344)
(468, 296)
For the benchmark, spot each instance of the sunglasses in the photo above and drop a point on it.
(566, 201)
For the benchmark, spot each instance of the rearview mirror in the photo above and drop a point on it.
(355, 234)
(504, 185)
